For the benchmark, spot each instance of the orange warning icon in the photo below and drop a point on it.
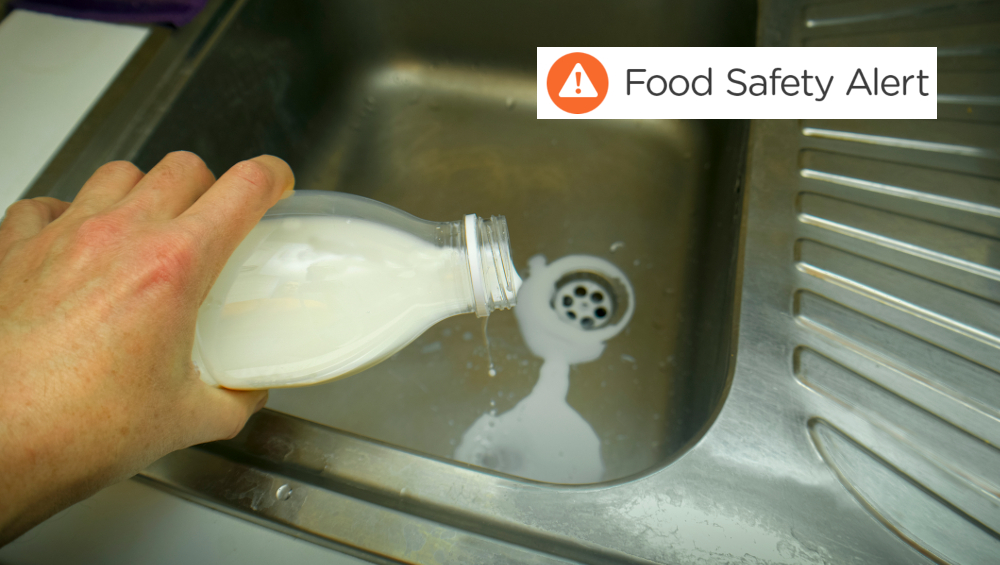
(577, 83)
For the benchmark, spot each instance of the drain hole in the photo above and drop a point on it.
(585, 300)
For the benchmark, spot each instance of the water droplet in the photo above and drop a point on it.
(284, 492)
(486, 341)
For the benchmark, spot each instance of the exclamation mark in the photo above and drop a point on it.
(578, 82)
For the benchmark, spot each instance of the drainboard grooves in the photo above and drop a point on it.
(962, 147)
(973, 61)
(921, 516)
(944, 144)
(940, 136)
(891, 23)
(896, 290)
(966, 202)
(856, 17)
(964, 32)
(969, 88)
(953, 311)
(949, 246)
(946, 255)
(969, 84)
(956, 36)
(947, 461)
(953, 388)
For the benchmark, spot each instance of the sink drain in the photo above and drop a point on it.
(585, 300)
(574, 305)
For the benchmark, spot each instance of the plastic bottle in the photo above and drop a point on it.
(328, 284)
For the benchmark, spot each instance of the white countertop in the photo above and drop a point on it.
(52, 71)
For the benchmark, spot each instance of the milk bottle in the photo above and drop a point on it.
(328, 284)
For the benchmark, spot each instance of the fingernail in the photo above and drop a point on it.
(288, 192)
(280, 167)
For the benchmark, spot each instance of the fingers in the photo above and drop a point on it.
(108, 185)
(170, 188)
(26, 218)
(227, 411)
(225, 214)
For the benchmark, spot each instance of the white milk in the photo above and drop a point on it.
(543, 437)
(324, 295)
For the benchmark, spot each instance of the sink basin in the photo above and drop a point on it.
(431, 108)
(855, 422)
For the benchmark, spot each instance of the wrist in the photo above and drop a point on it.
(46, 458)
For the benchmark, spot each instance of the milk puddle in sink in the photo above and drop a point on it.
(543, 437)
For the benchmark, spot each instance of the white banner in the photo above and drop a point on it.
(737, 82)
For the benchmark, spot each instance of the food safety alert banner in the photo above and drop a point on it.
(737, 82)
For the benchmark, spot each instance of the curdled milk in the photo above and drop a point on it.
(308, 298)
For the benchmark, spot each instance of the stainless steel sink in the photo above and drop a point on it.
(430, 107)
(856, 267)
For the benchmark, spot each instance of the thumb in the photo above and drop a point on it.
(226, 412)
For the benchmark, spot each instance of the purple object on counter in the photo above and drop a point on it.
(174, 12)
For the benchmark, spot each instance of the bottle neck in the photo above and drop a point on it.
(494, 281)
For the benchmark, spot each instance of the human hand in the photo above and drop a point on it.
(98, 303)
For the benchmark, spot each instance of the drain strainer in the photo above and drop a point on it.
(585, 300)
(554, 306)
